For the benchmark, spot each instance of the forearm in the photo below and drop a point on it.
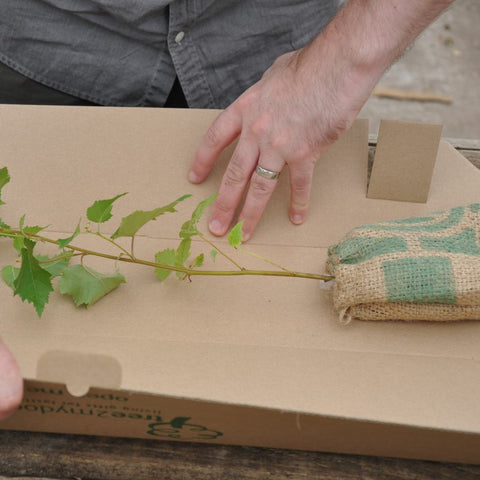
(376, 32)
(367, 36)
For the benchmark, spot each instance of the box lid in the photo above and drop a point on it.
(267, 342)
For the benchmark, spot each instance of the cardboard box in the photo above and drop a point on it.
(243, 360)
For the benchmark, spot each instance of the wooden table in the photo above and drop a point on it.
(49, 456)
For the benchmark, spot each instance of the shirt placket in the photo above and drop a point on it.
(182, 31)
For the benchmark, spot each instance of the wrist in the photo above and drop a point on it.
(367, 36)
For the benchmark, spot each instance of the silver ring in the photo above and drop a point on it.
(270, 174)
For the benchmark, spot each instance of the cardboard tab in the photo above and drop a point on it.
(404, 161)
(79, 371)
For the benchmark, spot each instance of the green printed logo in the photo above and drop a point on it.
(180, 429)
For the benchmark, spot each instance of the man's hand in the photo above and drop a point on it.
(289, 117)
(302, 104)
(11, 383)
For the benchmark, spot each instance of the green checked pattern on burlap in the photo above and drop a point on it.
(423, 268)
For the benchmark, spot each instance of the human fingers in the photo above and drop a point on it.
(234, 182)
(11, 383)
(221, 133)
(301, 177)
(262, 184)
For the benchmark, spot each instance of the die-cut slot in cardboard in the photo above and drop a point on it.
(79, 371)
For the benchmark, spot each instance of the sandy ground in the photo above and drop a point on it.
(444, 60)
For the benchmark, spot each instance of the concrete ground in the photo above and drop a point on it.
(444, 60)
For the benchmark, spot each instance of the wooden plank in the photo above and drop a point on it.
(69, 456)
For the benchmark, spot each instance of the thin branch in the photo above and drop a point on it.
(188, 271)
(221, 252)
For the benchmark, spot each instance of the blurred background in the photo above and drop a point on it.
(443, 62)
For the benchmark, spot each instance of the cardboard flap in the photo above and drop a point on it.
(79, 371)
(404, 161)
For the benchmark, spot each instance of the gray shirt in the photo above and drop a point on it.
(128, 52)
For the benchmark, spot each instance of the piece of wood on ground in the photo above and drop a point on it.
(398, 94)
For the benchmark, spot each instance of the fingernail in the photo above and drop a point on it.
(297, 219)
(216, 227)
(193, 177)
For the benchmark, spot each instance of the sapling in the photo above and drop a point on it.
(31, 276)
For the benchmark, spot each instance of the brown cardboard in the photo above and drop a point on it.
(404, 161)
(262, 361)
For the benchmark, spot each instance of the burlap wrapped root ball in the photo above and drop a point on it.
(423, 268)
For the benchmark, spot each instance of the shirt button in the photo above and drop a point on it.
(179, 37)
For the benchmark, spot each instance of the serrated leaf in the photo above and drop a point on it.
(189, 228)
(198, 212)
(101, 210)
(198, 261)
(33, 283)
(166, 257)
(63, 242)
(4, 179)
(235, 235)
(132, 223)
(55, 266)
(181, 254)
(9, 275)
(18, 242)
(6, 227)
(213, 254)
(86, 286)
(3, 224)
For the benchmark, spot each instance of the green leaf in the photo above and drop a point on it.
(182, 253)
(9, 275)
(166, 257)
(6, 227)
(235, 235)
(198, 212)
(189, 228)
(198, 261)
(33, 283)
(86, 286)
(18, 242)
(63, 242)
(213, 254)
(101, 210)
(55, 265)
(130, 225)
(4, 179)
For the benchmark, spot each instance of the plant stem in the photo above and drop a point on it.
(205, 239)
(113, 242)
(187, 271)
(262, 258)
(131, 246)
(59, 257)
